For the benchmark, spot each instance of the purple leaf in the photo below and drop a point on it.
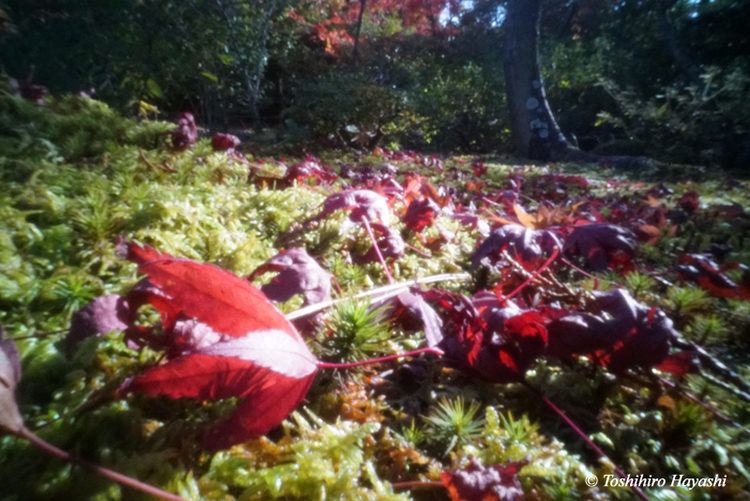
(101, 316)
(299, 274)
(597, 242)
(361, 203)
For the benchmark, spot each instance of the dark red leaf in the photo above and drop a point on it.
(299, 274)
(678, 364)
(310, 168)
(598, 243)
(224, 142)
(137, 252)
(413, 313)
(479, 483)
(28, 90)
(420, 214)
(215, 297)
(703, 271)
(689, 202)
(227, 340)
(186, 132)
(625, 335)
(479, 168)
(523, 244)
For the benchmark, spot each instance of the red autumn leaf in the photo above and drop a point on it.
(186, 132)
(299, 274)
(599, 243)
(420, 214)
(272, 370)
(689, 202)
(224, 142)
(626, 334)
(136, 252)
(479, 168)
(309, 168)
(479, 483)
(523, 244)
(216, 297)
(360, 203)
(413, 313)
(703, 271)
(678, 364)
(391, 245)
(499, 356)
(101, 316)
(232, 343)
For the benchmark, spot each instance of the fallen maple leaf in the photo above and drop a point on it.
(597, 244)
(412, 312)
(678, 364)
(101, 316)
(420, 214)
(689, 202)
(360, 203)
(298, 274)
(224, 142)
(523, 244)
(627, 334)
(259, 355)
(272, 370)
(309, 168)
(480, 483)
(703, 271)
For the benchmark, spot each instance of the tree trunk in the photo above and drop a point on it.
(534, 130)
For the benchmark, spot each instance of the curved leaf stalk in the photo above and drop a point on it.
(377, 249)
(326, 365)
(99, 470)
(586, 439)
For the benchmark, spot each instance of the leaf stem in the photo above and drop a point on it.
(100, 470)
(416, 483)
(536, 274)
(586, 439)
(377, 249)
(326, 365)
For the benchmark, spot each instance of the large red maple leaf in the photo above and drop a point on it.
(247, 349)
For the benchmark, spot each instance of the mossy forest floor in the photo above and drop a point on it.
(75, 175)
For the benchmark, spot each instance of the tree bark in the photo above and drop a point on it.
(535, 132)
